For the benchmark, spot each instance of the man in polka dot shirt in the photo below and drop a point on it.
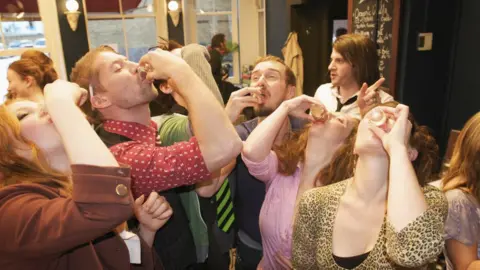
(120, 99)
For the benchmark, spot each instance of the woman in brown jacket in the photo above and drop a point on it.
(63, 194)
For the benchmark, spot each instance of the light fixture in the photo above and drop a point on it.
(174, 11)
(72, 13)
(173, 5)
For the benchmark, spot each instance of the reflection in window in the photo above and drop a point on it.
(140, 36)
(118, 26)
(213, 5)
(107, 32)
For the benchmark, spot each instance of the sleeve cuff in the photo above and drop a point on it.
(95, 184)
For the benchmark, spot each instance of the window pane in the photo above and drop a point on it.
(4, 63)
(214, 5)
(137, 6)
(141, 35)
(208, 26)
(106, 32)
(25, 33)
(103, 7)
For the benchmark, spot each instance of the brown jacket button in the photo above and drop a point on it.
(121, 190)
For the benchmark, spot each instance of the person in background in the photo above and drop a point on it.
(28, 76)
(461, 186)
(355, 78)
(385, 216)
(318, 155)
(218, 49)
(340, 32)
(64, 194)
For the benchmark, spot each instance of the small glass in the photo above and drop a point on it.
(319, 113)
(378, 117)
(143, 70)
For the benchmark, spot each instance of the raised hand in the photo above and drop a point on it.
(66, 91)
(369, 96)
(298, 106)
(241, 99)
(399, 134)
(153, 213)
(160, 64)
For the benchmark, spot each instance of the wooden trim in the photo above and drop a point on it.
(18, 52)
(215, 13)
(350, 16)
(395, 40)
(86, 23)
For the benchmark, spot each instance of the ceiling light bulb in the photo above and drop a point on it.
(173, 5)
(72, 5)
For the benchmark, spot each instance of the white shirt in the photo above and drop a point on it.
(328, 95)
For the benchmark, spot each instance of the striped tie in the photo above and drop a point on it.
(225, 215)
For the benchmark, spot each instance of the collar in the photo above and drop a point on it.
(336, 94)
(133, 131)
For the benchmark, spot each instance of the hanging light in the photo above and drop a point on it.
(173, 5)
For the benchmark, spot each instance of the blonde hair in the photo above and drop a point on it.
(465, 160)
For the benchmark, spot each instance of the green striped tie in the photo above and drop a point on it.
(225, 214)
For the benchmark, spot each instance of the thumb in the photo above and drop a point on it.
(139, 201)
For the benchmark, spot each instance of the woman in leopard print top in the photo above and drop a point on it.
(384, 217)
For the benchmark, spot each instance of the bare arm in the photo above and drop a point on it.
(474, 265)
(258, 145)
(403, 184)
(207, 189)
(82, 144)
(406, 200)
(462, 256)
(260, 142)
(218, 140)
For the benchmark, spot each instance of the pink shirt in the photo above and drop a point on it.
(276, 215)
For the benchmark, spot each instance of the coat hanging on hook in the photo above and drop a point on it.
(292, 53)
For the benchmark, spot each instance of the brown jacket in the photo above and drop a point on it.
(44, 228)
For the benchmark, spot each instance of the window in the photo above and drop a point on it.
(129, 26)
(242, 22)
(20, 29)
(212, 17)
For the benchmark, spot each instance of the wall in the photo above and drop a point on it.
(423, 76)
(464, 97)
(278, 25)
(248, 33)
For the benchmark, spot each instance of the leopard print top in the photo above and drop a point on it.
(414, 246)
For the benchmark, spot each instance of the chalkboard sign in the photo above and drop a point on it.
(378, 20)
